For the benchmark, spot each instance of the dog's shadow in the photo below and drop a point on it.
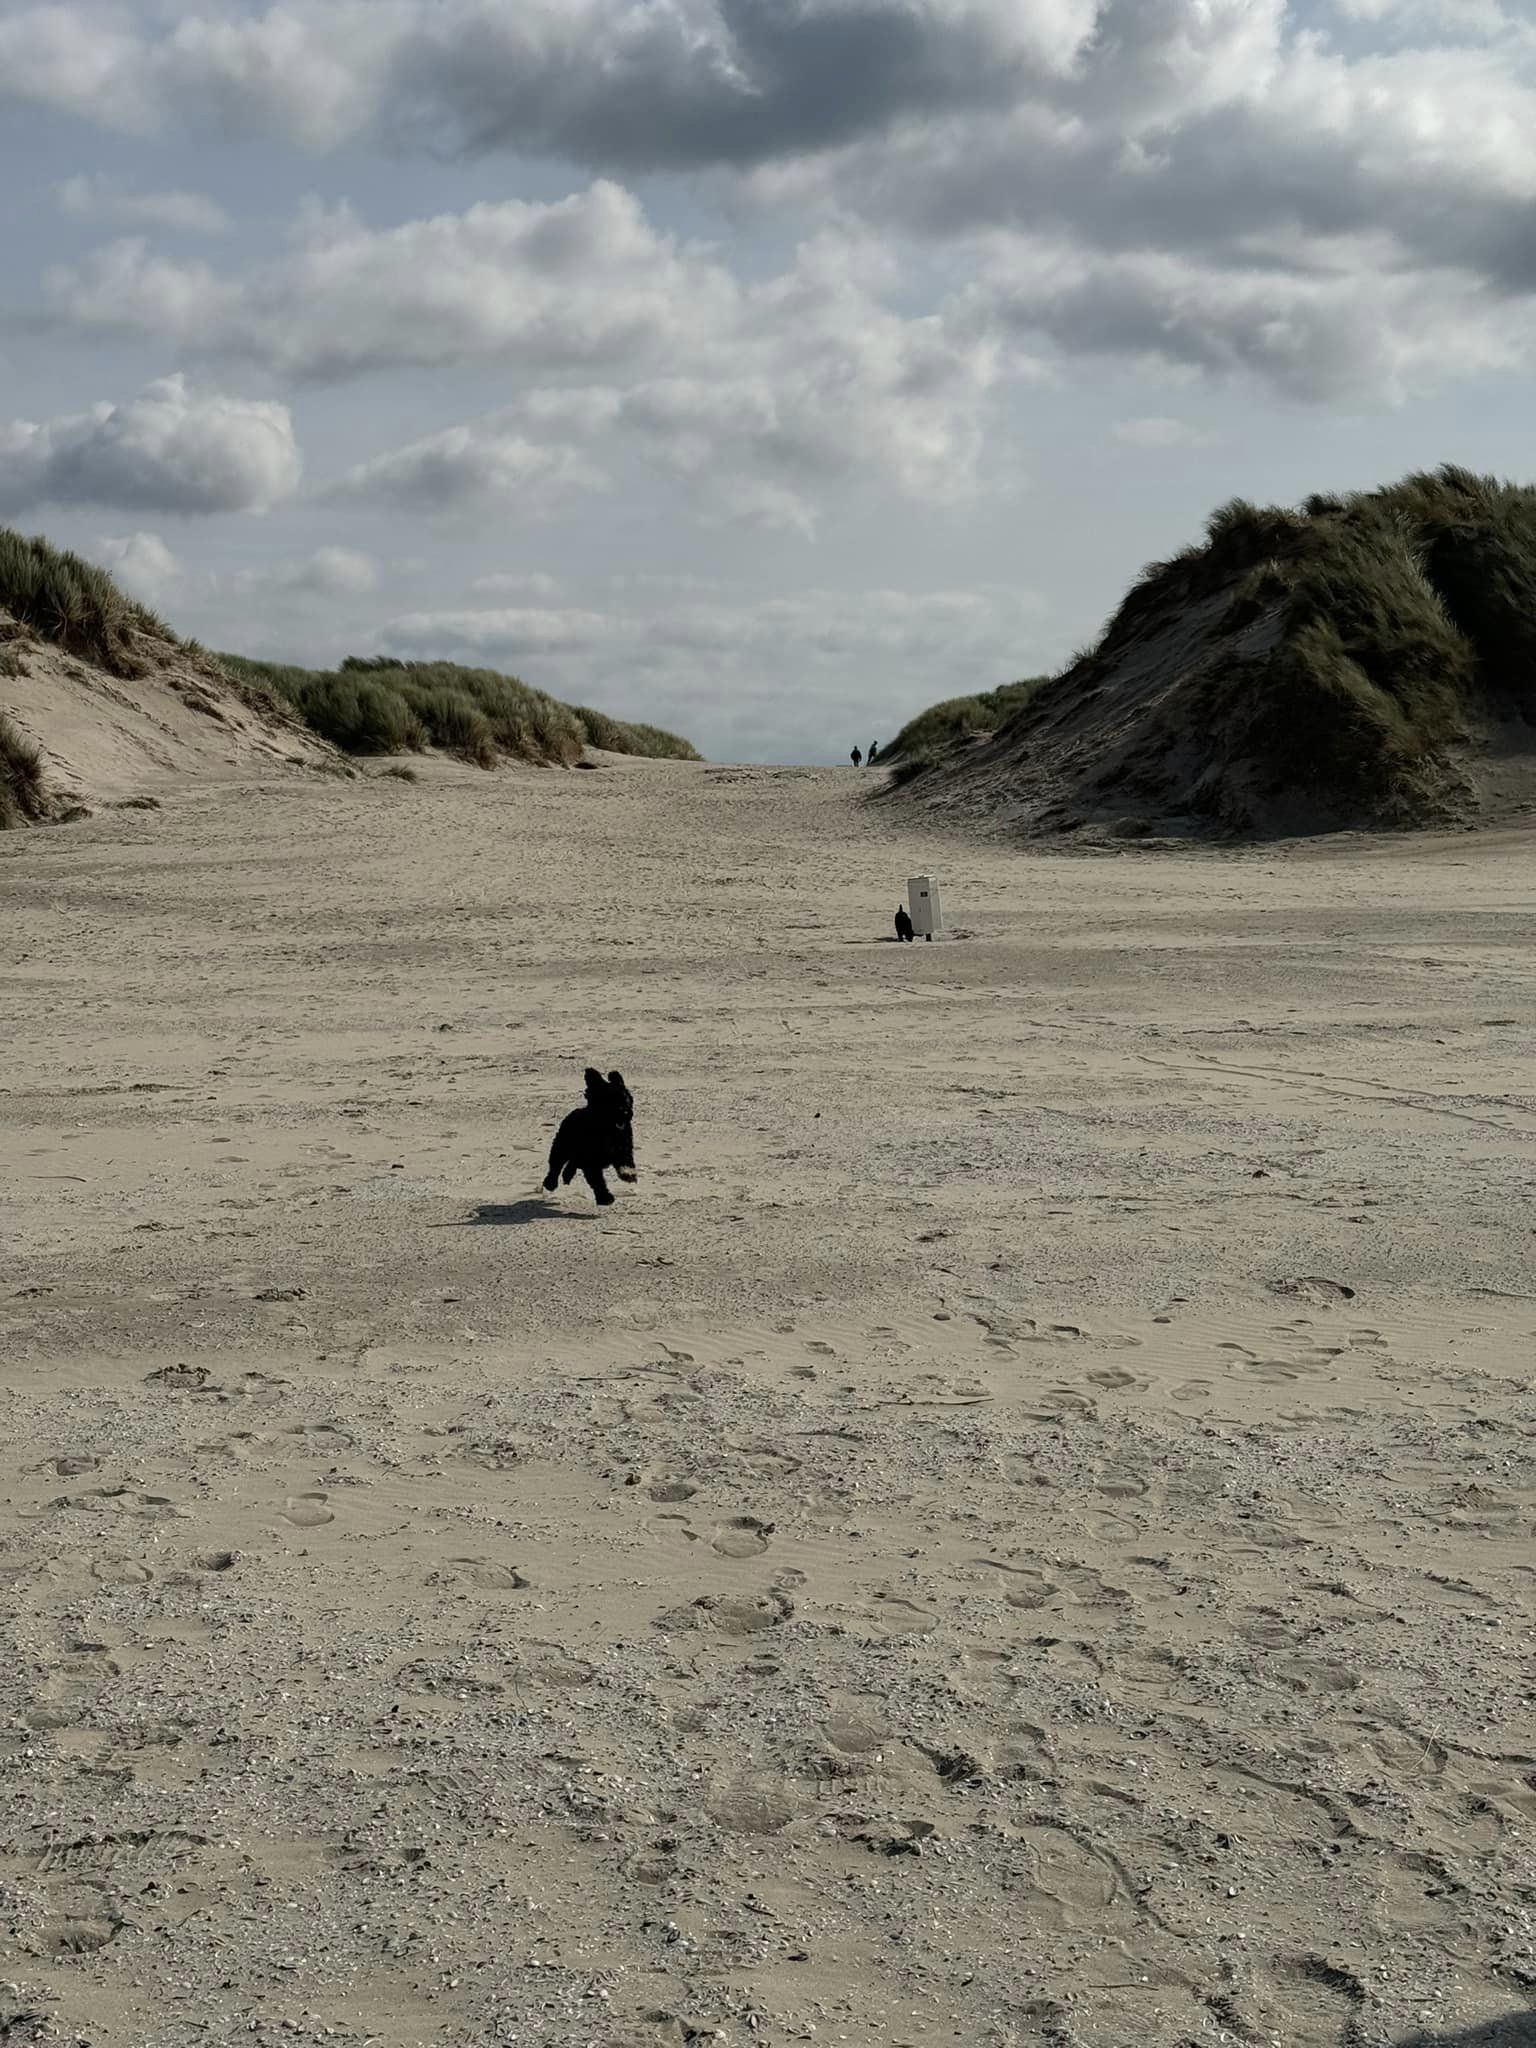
(534, 1209)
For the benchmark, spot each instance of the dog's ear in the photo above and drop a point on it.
(594, 1084)
(616, 1080)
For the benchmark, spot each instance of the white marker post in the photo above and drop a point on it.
(923, 901)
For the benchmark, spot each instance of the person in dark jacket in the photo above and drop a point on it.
(856, 757)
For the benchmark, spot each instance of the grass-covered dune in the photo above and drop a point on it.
(65, 625)
(922, 738)
(79, 656)
(58, 597)
(1352, 662)
(381, 705)
(23, 793)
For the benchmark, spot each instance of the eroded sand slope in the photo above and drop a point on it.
(110, 739)
(1019, 1529)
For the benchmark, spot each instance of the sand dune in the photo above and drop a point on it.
(109, 739)
(1017, 1531)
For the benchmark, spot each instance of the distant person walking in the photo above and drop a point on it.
(874, 752)
(856, 757)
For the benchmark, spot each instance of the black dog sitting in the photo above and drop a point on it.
(596, 1137)
(904, 928)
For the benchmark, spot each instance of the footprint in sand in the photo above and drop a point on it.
(1112, 1528)
(325, 1436)
(904, 1617)
(307, 1511)
(680, 1401)
(125, 1500)
(1315, 1289)
(92, 1856)
(856, 1734)
(1270, 1372)
(655, 1863)
(663, 1488)
(1076, 1663)
(120, 1571)
(1114, 1381)
(1020, 1470)
(766, 1461)
(489, 1576)
(1192, 1391)
(85, 1923)
(1255, 1536)
(1027, 1588)
(1474, 1510)
(741, 1536)
(1061, 1404)
(1161, 1672)
(1416, 1894)
(1304, 1509)
(545, 1663)
(493, 1454)
(1266, 1631)
(751, 1804)
(254, 1389)
(1438, 1591)
(1119, 1482)
(1071, 1884)
(893, 1837)
(1416, 1759)
(179, 1379)
(1319, 1678)
(1307, 2002)
(1080, 1582)
(737, 1614)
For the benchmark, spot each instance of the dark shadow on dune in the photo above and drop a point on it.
(536, 1209)
(1517, 2031)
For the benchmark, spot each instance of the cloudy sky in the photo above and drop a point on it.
(769, 368)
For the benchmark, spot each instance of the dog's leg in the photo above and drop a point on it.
(598, 1185)
(571, 1171)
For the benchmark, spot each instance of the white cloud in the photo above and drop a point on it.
(716, 669)
(815, 626)
(1154, 430)
(581, 281)
(668, 85)
(514, 631)
(755, 396)
(535, 583)
(329, 572)
(463, 467)
(1369, 334)
(1233, 148)
(142, 563)
(88, 198)
(172, 449)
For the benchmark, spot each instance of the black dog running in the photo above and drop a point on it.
(596, 1137)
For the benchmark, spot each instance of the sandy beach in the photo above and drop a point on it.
(1017, 1530)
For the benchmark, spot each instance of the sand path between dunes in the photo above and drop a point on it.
(1021, 1529)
